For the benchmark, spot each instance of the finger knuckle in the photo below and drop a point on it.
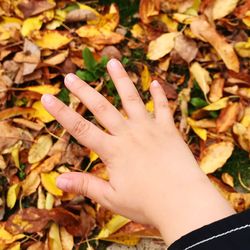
(84, 186)
(99, 108)
(80, 128)
(163, 104)
(133, 97)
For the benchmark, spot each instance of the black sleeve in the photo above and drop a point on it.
(230, 233)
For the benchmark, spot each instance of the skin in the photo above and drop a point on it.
(154, 178)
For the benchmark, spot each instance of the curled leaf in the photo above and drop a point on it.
(49, 183)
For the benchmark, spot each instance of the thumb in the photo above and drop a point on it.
(87, 185)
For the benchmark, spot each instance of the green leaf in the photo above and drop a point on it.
(89, 59)
(86, 76)
(198, 102)
(63, 95)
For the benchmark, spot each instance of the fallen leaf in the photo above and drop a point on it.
(149, 9)
(220, 104)
(54, 238)
(223, 8)
(52, 39)
(216, 89)
(202, 77)
(145, 78)
(49, 183)
(228, 179)
(112, 226)
(40, 149)
(43, 89)
(67, 239)
(161, 46)
(243, 48)
(186, 48)
(79, 15)
(227, 117)
(215, 156)
(202, 29)
(30, 183)
(41, 113)
(12, 194)
(15, 111)
(31, 24)
(57, 59)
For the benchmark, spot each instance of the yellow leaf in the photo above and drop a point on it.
(201, 132)
(161, 46)
(67, 239)
(15, 153)
(7, 237)
(86, 7)
(44, 89)
(137, 31)
(49, 201)
(49, 183)
(220, 104)
(41, 198)
(243, 48)
(31, 24)
(93, 156)
(145, 78)
(130, 240)
(202, 77)
(41, 113)
(172, 25)
(16, 246)
(40, 149)
(31, 183)
(52, 39)
(112, 226)
(54, 238)
(222, 8)
(12, 194)
(215, 156)
(150, 106)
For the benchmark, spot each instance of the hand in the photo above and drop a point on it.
(154, 178)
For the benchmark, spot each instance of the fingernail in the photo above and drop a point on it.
(113, 63)
(70, 78)
(62, 182)
(155, 83)
(47, 99)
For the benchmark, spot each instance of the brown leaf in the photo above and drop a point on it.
(228, 117)
(33, 220)
(34, 7)
(186, 48)
(216, 89)
(79, 15)
(15, 111)
(149, 9)
(205, 31)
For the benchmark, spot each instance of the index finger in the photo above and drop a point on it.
(83, 130)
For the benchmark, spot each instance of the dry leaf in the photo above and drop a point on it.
(41, 113)
(12, 194)
(15, 111)
(216, 89)
(67, 239)
(58, 58)
(31, 183)
(220, 104)
(222, 8)
(52, 39)
(161, 46)
(43, 89)
(145, 78)
(215, 156)
(54, 238)
(202, 29)
(148, 9)
(202, 77)
(186, 48)
(243, 48)
(228, 117)
(49, 183)
(40, 149)
(228, 179)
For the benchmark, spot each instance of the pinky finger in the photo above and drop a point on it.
(162, 111)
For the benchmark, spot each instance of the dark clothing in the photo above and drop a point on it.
(231, 233)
